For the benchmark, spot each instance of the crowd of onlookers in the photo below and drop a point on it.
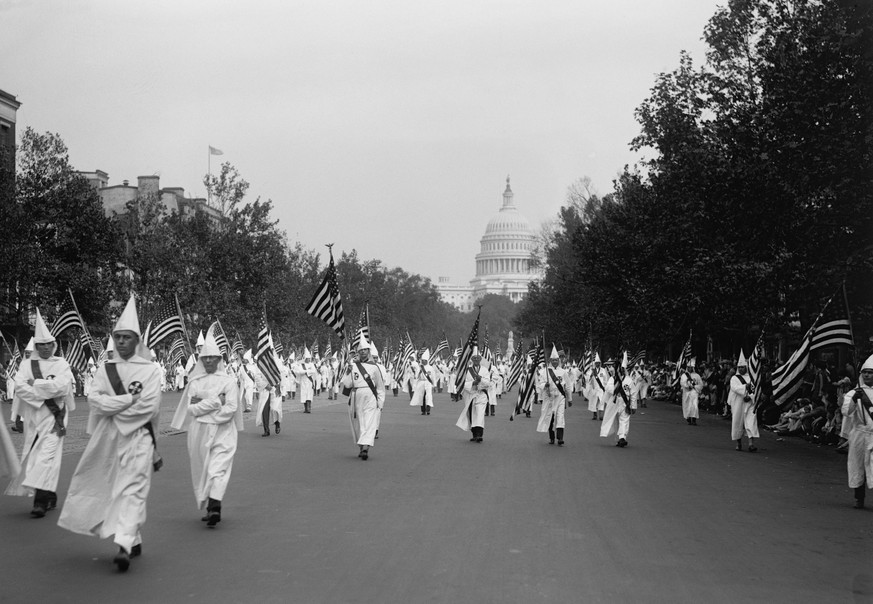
(814, 413)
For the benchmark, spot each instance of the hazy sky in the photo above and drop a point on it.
(384, 126)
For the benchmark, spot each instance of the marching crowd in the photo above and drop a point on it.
(109, 489)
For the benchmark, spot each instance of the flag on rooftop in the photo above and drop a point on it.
(214, 151)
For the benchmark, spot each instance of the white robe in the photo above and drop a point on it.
(616, 419)
(42, 447)
(475, 398)
(860, 458)
(595, 393)
(692, 385)
(212, 426)
(743, 418)
(306, 374)
(267, 394)
(108, 492)
(364, 406)
(423, 387)
(554, 403)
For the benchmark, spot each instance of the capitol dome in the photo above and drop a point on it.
(503, 263)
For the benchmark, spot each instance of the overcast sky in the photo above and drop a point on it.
(384, 126)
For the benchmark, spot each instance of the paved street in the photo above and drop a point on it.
(678, 516)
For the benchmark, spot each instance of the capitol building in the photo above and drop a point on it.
(503, 262)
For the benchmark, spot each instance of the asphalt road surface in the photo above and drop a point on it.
(677, 516)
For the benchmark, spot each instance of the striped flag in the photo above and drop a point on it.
(220, 338)
(834, 327)
(527, 392)
(517, 366)
(684, 357)
(326, 303)
(487, 354)
(405, 352)
(177, 351)
(467, 352)
(68, 317)
(277, 346)
(444, 345)
(265, 356)
(788, 377)
(237, 347)
(755, 372)
(364, 323)
(166, 322)
(76, 355)
(637, 358)
(314, 349)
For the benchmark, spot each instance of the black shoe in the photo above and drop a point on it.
(688, 420)
(752, 448)
(213, 518)
(122, 560)
(859, 504)
(479, 439)
(136, 550)
(38, 510)
(266, 432)
(739, 447)
(551, 441)
(247, 411)
(428, 412)
(472, 440)
(622, 442)
(560, 443)
(278, 428)
(365, 454)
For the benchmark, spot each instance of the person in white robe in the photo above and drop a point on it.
(9, 465)
(210, 411)
(452, 379)
(306, 374)
(16, 411)
(269, 404)
(620, 400)
(596, 384)
(363, 384)
(556, 389)
(88, 377)
(423, 383)
(44, 389)
(857, 406)
(645, 384)
(744, 421)
(691, 385)
(247, 381)
(285, 383)
(324, 373)
(475, 396)
(110, 486)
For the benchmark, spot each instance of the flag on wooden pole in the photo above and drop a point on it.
(326, 303)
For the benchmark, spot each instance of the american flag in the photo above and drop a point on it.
(177, 351)
(277, 346)
(486, 351)
(328, 350)
(755, 372)
(68, 317)
(467, 352)
(517, 366)
(14, 361)
(166, 322)
(638, 357)
(76, 355)
(405, 354)
(364, 323)
(326, 303)
(444, 345)
(220, 338)
(237, 347)
(788, 377)
(527, 392)
(266, 359)
(314, 349)
(834, 327)
(684, 357)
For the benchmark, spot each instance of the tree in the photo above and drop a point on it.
(56, 237)
(226, 190)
